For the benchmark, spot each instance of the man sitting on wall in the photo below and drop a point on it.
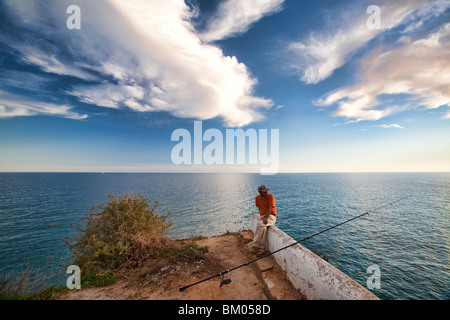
(267, 217)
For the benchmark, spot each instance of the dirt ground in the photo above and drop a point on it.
(261, 280)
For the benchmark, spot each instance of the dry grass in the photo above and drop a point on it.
(23, 284)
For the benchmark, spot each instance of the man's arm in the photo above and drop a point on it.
(271, 205)
(266, 216)
(269, 210)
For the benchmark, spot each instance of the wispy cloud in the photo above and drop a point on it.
(393, 125)
(12, 105)
(418, 69)
(447, 115)
(322, 52)
(139, 54)
(236, 16)
(50, 63)
(111, 95)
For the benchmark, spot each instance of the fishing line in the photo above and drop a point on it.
(226, 281)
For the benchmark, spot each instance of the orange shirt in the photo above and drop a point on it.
(263, 204)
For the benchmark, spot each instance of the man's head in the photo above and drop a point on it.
(262, 189)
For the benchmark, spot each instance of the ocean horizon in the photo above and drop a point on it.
(409, 241)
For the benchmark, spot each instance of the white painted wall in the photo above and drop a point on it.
(314, 277)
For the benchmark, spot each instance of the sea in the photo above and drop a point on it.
(408, 241)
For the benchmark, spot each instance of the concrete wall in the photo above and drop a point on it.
(314, 277)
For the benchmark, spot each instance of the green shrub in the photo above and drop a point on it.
(121, 232)
(97, 280)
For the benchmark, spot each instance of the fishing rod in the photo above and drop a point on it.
(228, 280)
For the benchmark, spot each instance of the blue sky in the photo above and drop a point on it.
(346, 95)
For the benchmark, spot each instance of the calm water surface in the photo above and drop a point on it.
(409, 241)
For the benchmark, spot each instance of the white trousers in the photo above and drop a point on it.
(260, 239)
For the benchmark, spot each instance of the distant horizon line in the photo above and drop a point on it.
(209, 172)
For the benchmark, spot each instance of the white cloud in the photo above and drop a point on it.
(149, 55)
(419, 69)
(431, 9)
(393, 125)
(23, 80)
(236, 16)
(317, 57)
(105, 95)
(188, 78)
(12, 105)
(51, 64)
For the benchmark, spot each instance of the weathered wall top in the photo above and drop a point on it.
(314, 277)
